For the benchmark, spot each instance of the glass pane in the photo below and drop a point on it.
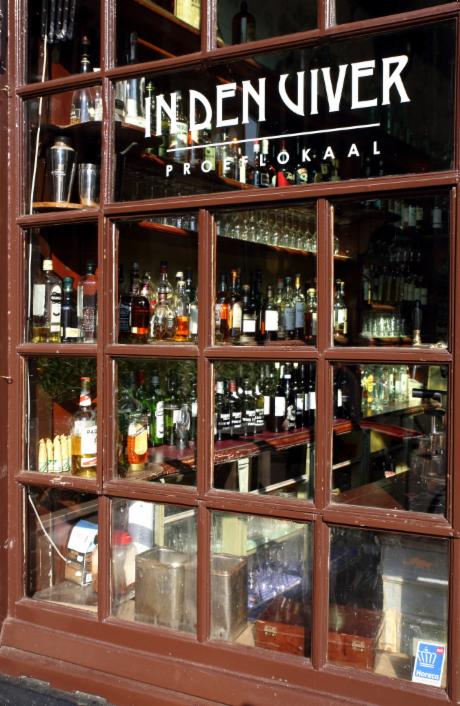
(392, 272)
(266, 288)
(60, 35)
(63, 151)
(390, 440)
(357, 10)
(349, 109)
(149, 30)
(61, 547)
(261, 582)
(157, 420)
(388, 593)
(239, 22)
(53, 254)
(264, 428)
(60, 426)
(157, 289)
(154, 564)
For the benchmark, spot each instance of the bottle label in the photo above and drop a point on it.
(266, 405)
(236, 418)
(159, 420)
(299, 403)
(249, 325)
(38, 302)
(339, 398)
(260, 417)
(140, 435)
(307, 402)
(312, 400)
(289, 318)
(194, 409)
(271, 320)
(88, 436)
(69, 332)
(125, 318)
(55, 308)
(236, 316)
(249, 415)
(280, 406)
(265, 179)
(223, 420)
(299, 314)
(193, 320)
(176, 416)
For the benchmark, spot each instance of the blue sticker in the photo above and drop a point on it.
(429, 663)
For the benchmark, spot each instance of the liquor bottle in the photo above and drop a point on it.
(179, 278)
(236, 416)
(310, 396)
(124, 310)
(179, 140)
(162, 323)
(193, 414)
(311, 312)
(268, 171)
(149, 291)
(222, 413)
(340, 310)
(299, 309)
(87, 304)
(46, 306)
(137, 441)
(127, 406)
(82, 107)
(156, 409)
(268, 389)
(164, 282)
(299, 394)
(278, 407)
(84, 434)
(172, 409)
(70, 330)
(221, 311)
(243, 26)
(256, 173)
(189, 286)
(260, 405)
(235, 310)
(290, 395)
(182, 314)
(288, 309)
(135, 88)
(193, 333)
(270, 317)
(249, 325)
(140, 309)
(278, 299)
(248, 410)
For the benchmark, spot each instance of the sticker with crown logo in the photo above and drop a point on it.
(429, 663)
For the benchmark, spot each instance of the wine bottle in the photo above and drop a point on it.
(70, 330)
(243, 26)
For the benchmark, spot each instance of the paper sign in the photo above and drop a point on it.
(429, 663)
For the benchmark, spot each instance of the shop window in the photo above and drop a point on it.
(157, 420)
(356, 11)
(388, 593)
(240, 22)
(154, 564)
(264, 427)
(62, 535)
(261, 580)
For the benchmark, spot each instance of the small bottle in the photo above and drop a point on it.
(243, 26)
(46, 306)
(137, 441)
(70, 330)
(87, 304)
(182, 313)
(340, 310)
(84, 434)
(82, 108)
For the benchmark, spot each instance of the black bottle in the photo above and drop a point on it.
(70, 331)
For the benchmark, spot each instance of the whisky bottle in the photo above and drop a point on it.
(148, 291)
(87, 304)
(82, 108)
(288, 309)
(221, 311)
(243, 26)
(164, 282)
(84, 434)
(270, 317)
(236, 416)
(311, 313)
(299, 309)
(127, 406)
(172, 409)
(70, 330)
(46, 306)
(137, 441)
(248, 401)
(140, 309)
(249, 325)
(222, 413)
(340, 310)
(235, 311)
(182, 314)
(162, 323)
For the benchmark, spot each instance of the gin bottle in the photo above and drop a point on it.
(46, 306)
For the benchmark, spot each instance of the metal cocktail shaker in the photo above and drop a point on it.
(61, 169)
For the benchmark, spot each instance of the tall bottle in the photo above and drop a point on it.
(248, 401)
(82, 109)
(140, 309)
(299, 309)
(84, 434)
(46, 306)
(243, 26)
(148, 291)
(221, 311)
(236, 411)
(270, 317)
(182, 313)
(235, 312)
(311, 313)
(288, 309)
(156, 409)
(135, 88)
(164, 282)
(70, 330)
(310, 396)
(87, 304)
(278, 406)
(249, 324)
(179, 140)
(222, 420)
(340, 310)
(124, 310)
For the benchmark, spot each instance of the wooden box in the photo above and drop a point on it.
(285, 626)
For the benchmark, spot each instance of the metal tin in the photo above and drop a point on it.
(160, 587)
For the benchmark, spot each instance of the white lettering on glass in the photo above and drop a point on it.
(360, 70)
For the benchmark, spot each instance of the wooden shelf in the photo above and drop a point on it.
(165, 228)
(57, 206)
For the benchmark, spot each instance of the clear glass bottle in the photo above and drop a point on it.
(299, 309)
(46, 306)
(221, 311)
(87, 304)
(148, 291)
(182, 314)
(163, 282)
(235, 318)
(311, 313)
(70, 330)
(340, 310)
(84, 434)
(82, 108)
(162, 322)
(288, 309)
(156, 411)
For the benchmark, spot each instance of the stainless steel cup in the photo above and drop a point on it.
(88, 184)
(61, 161)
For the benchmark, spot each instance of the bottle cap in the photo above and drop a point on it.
(90, 267)
(47, 265)
(179, 275)
(68, 282)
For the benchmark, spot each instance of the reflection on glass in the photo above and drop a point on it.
(154, 564)
(357, 10)
(264, 427)
(388, 592)
(290, 117)
(261, 582)
(266, 289)
(60, 138)
(72, 31)
(60, 427)
(392, 272)
(157, 420)
(55, 253)
(239, 22)
(390, 440)
(156, 30)
(62, 527)
(157, 286)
